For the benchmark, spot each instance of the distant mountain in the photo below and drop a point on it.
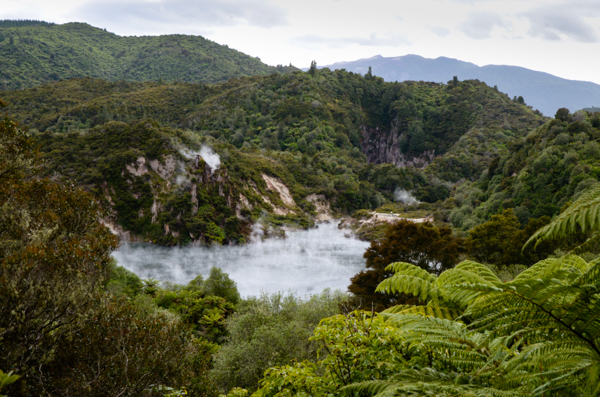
(542, 91)
(35, 52)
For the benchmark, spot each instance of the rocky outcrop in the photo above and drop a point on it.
(383, 146)
(178, 198)
(138, 168)
(117, 230)
(322, 207)
(166, 170)
(276, 185)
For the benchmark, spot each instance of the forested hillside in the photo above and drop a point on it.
(290, 145)
(538, 175)
(34, 53)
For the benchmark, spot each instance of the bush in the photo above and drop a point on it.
(270, 330)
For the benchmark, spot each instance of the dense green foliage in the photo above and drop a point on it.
(538, 175)
(314, 132)
(499, 241)
(353, 348)
(270, 330)
(475, 336)
(424, 245)
(16, 23)
(71, 323)
(579, 219)
(34, 53)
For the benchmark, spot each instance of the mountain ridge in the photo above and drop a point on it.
(33, 55)
(541, 90)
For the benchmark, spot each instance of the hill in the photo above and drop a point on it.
(291, 148)
(538, 175)
(542, 91)
(34, 53)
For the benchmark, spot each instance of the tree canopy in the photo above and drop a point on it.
(431, 248)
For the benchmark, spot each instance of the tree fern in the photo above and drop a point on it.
(536, 335)
(583, 215)
(442, 298)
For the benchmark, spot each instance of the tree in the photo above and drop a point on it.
(53, 254)
(424, 245)
(313, 68)
(563, 114)
(499, 241)
(218, 283)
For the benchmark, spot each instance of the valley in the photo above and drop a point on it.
(178, 218)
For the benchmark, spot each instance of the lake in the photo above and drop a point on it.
(307, 261)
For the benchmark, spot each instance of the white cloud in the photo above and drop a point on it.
(440, 31)
(389, 40)
(201, 13)
(479, 25)
(564, 20)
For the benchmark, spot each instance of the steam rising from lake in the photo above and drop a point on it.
(307, 262)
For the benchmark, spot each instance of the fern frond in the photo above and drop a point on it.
(429, 310)
(465, 295)
(408, 284)
(583, 213)
(591, 276)
(409, 269)
(547, 267)
(479, 269)
(430, 382)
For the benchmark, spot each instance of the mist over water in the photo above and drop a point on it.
(308, 261)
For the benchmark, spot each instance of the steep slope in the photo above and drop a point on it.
(292, 147)
(538, 174)
(542, 91)
(37, 54)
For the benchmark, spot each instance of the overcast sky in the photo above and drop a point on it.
(558, 37)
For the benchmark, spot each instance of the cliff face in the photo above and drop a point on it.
(383, 146)
(177, 200)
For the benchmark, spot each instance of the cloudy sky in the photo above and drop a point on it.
(555, 36)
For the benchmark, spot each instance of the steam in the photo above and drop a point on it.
(208, 155)
(182, 180)
(405, 197)
(307, 261)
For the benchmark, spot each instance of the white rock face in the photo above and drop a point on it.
(322, 205)
(138, 168)
(276, 185)
(167, 170)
